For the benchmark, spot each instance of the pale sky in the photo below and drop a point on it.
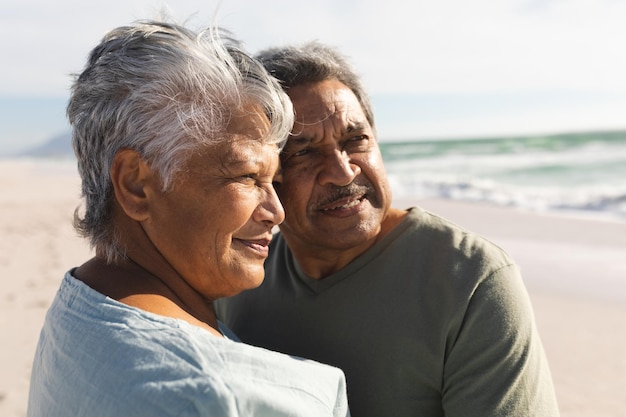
(435, 68)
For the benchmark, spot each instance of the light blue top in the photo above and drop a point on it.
(98, 357)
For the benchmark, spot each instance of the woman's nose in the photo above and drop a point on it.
(270, 210)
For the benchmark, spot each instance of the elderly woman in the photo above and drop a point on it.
(177, 136)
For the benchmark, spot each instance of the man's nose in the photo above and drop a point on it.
(338, 169)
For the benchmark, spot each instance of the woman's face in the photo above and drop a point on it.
(215, 224)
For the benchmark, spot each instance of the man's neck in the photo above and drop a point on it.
(319, 262)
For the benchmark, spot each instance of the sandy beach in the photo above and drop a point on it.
(574, 269)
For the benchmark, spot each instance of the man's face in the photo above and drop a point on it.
(333, 186)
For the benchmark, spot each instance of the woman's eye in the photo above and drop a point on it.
(257, 180)
(248, 178)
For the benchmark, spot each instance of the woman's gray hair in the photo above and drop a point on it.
(163, 90)
(314, 62)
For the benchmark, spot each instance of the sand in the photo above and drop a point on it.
(574, 269)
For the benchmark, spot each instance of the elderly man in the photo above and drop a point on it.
(424, 317)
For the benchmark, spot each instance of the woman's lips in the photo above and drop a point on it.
(260, 246)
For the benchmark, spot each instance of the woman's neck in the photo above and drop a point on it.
(165, 294)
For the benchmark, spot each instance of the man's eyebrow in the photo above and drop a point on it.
(355, 126)
(299, 140)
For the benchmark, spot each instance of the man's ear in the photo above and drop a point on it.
(131, 177)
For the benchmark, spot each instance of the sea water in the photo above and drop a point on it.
(583, 173)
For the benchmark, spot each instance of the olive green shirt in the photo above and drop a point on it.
(431, 321)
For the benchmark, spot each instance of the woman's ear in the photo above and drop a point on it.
(131, 177)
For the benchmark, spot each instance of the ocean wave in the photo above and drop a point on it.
(583, 172)
(608, 201)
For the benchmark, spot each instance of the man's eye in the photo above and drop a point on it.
(359, 138)
(286, 156)
(297, 152)
(278, 179)
(357, 143)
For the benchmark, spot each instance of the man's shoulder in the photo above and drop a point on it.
(429, 235)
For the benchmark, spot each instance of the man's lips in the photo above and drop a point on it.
(343, 203)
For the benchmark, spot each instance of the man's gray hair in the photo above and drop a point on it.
(313, 62)
(163, 90)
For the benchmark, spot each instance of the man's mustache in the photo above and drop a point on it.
(337, 193)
